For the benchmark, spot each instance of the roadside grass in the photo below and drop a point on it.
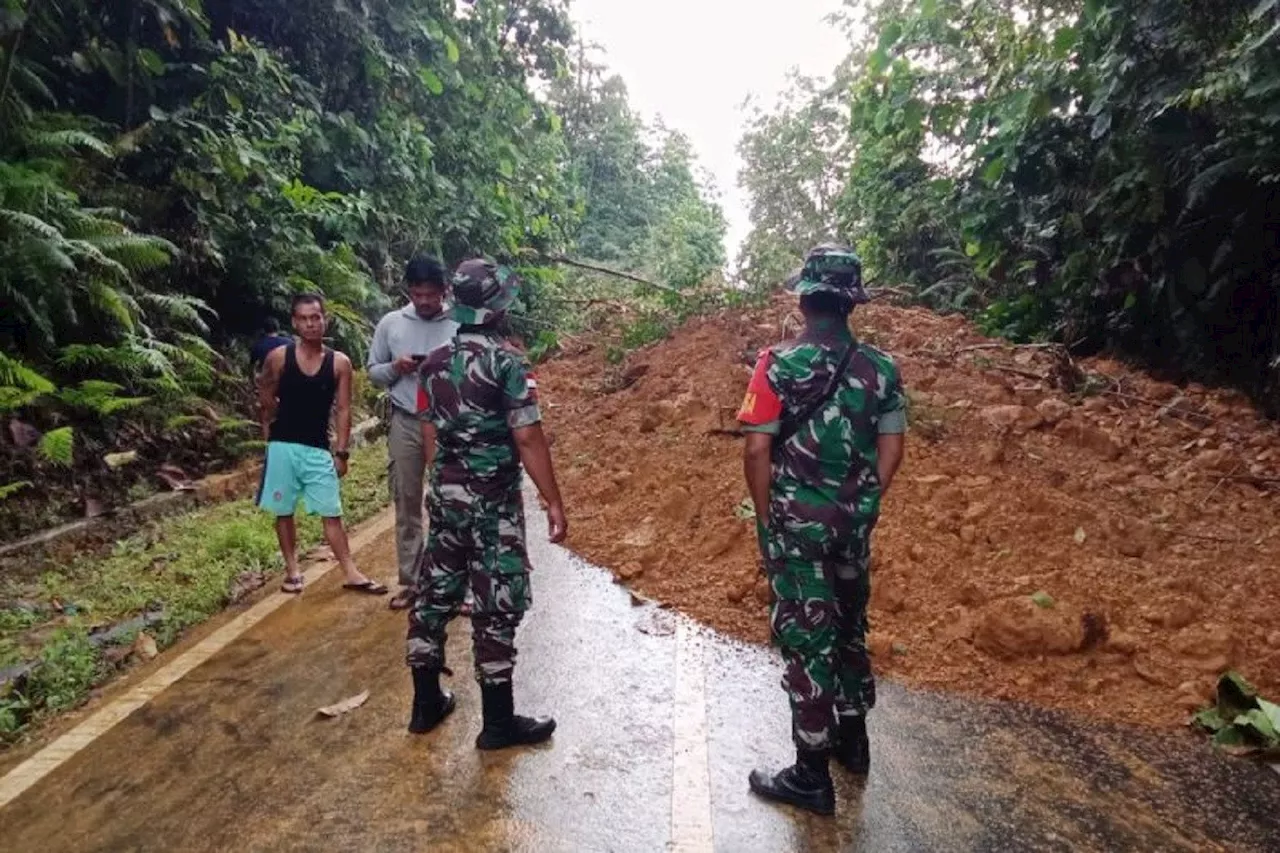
(182, 570)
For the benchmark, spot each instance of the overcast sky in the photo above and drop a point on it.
(693, 62)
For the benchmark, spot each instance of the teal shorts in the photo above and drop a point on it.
(297, 470)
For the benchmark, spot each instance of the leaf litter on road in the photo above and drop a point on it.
(349, 704)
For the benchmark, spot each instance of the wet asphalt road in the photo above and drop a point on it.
(659, 724)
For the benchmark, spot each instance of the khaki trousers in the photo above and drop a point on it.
(406, 469)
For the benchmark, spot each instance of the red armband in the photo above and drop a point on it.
(761, 405)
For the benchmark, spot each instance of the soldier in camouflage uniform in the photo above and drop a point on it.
(824, 416)
(482, 398)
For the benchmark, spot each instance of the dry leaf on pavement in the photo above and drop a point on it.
(344, 706)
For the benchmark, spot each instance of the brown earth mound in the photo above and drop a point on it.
(1108, 550)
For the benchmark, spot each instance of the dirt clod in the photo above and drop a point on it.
(998, 476)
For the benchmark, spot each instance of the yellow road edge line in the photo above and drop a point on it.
(691, 821)
(44, 762)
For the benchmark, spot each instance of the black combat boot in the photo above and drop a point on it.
(806, 784)
(430, 704)
(853, 750)
(502, 728)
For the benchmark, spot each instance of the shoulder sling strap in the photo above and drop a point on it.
(789, 430)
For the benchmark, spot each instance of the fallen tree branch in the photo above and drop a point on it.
(1006, 345)
(560, 259)
(1165, 408)
(1218, 485)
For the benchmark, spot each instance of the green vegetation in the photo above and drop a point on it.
(1240, 721)
(645, 207)
(173, 171)
(1099, 173)
(184, 568)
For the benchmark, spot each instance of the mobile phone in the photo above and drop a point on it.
(418, 356)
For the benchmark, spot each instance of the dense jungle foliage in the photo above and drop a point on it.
(172, 171)
(1099, 173)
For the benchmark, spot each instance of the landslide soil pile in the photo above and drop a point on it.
(1108, 549)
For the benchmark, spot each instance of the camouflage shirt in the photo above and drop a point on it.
(824, 483)
(476, 389)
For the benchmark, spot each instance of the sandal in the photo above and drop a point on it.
(402, 599)
(293, 586)
(368, 587)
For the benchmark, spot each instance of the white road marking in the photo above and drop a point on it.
(44, 762)
(691, 825)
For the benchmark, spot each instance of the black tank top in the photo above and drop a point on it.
(302, 415)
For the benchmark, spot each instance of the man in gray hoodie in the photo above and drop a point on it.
(400, 342)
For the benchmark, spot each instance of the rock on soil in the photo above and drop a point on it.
(1171, 581)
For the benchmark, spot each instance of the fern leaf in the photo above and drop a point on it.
(81, 224)
(18, 375)
(348, 315)
(89, 252)
(114, 405)
(86, 355)
(233, 424)
(245, 448)
(67, 141)
(150, 353)
(12, 399)
(179, 421)
(112, 302)
(26, 310)
(100, 387)
(131, 358)
(99, 397)
(195, 344)
(27, 78)
(111, 214)
(30, 222)
(15, 110)
(58, 446)
(191, 365)
(9, 489)
(51, 254)
(135, 251)
(177, 307)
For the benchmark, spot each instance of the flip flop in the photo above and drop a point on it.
(367, 587)
(402, 599)
(293, 586)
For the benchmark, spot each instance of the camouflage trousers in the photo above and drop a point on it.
(478, 544)
(819, 622)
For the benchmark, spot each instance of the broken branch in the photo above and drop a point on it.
(1164, 408)
(1218, 485)
(560, 259)
(1006, 345)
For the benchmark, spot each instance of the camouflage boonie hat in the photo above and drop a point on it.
(481, 291)
(831, 267)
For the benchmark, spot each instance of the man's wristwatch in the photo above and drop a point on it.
(344, 455)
